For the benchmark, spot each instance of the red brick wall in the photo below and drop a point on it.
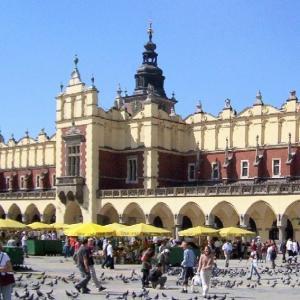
(173, 168)
(113, 169)
(32, 172)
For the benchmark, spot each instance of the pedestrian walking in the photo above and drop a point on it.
(83, 266)
(289, 249)
(24, 244)
(188, 263)
(254, 262)
(96, 281)
(146, 266)
(227, 249)
(295, 250)
(109, 256)
(7, 277)
(206, 263)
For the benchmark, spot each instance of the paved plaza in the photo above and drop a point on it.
(283, 284)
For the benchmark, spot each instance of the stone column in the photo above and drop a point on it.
(281, 233)
(244, 221)
(121, 219)
(178, 223)
(147, 217)
(209, 220)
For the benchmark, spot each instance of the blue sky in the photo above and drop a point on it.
(209, 51)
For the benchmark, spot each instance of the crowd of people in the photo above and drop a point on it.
(154, 256)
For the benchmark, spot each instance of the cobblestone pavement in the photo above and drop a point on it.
(284, 283)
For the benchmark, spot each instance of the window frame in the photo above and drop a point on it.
(38, 181)
(7, 179)
(73, 157)
(241, 174)
(215, 163)
(22, 182)
(189, 167)
(279, 168)
(53, 179)
(128, 177)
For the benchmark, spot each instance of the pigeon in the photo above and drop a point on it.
(164, 295)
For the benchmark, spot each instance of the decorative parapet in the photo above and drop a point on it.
(204, 191)
(24, 195)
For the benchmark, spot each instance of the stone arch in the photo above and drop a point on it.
(2, 213)
(32, 214)
(108, 214)
(264, 219)
(224, 214)
(49, 215)
(290, 221)
(133, 214)
(191, 214)
(162, 213)
(14, 213)
(73, 213)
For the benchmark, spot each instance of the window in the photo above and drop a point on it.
(191, 172)
(73, 161)
(53, 180)
(215, 170)
(244, 169)
(37, 181)
(7, 183)
(276, 167)
(132, 170)
(22, 182)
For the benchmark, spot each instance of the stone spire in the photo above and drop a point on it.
(199, 107)
(75, 75)
(149, 72)
(258, 99)
(292, 96)
(119, 99)
(1, 138)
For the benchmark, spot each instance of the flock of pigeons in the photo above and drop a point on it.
(32, 285)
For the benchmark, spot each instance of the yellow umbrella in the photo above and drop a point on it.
(87, 229)
(199, 231)
(235, 232)
(11, 224)
(39, 226)
(59, 225)
(115, 227)
(143, 230)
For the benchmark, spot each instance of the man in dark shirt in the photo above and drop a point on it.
(83, 266)
(155, 276)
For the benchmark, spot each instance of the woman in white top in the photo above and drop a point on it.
(5, 267)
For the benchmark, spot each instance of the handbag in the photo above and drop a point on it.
(6, 278)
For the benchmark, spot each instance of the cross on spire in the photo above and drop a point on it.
(150, 31)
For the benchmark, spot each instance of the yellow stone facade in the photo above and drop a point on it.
(153, 132)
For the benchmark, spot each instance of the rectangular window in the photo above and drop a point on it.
(7, 183)
(244, 169)
(132, 170)
(73, 161)
(215, 170)
(276, 167)
(37, 181)
(53, 180)
(22, 182)
(191, 172)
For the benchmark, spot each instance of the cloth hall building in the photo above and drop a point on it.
(141, 162)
